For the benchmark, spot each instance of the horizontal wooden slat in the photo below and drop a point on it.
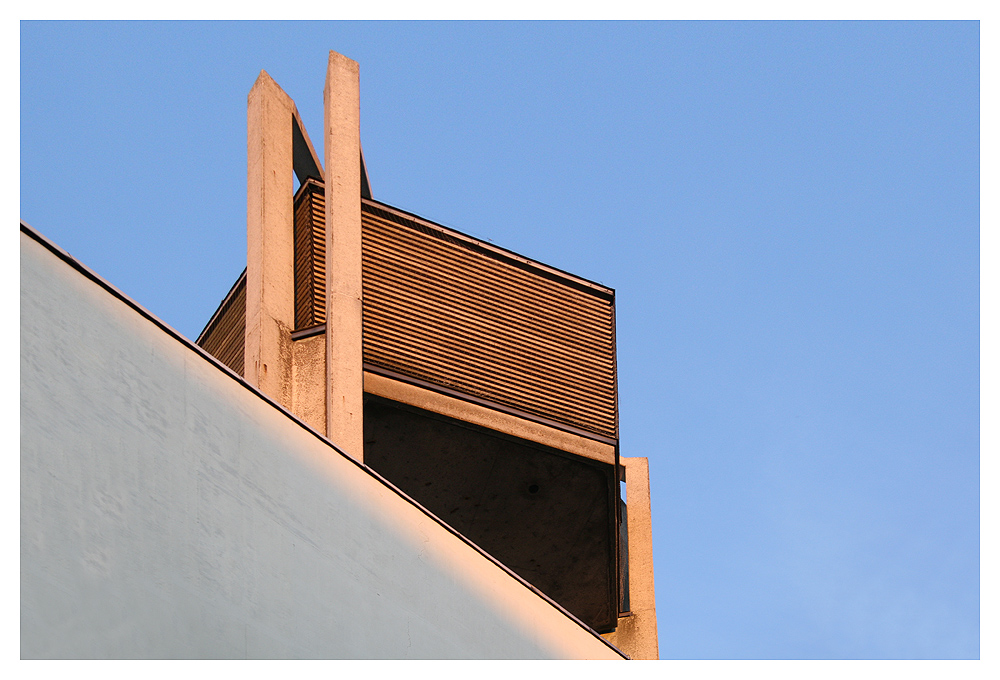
(513, 394)
(519, 287)
(468, 312)
(441, 310)
(443, 273)
(444, 308)
(469, 350)
(310, 255)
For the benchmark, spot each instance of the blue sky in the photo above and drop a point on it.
(789, 213)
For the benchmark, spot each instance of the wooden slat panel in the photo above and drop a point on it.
(449, 310)
(442, 310)
(310, 255)
(224, 336)
(470, 312)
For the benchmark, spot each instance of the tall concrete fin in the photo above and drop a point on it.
(270, 291)
(342, 150)
(636, 634)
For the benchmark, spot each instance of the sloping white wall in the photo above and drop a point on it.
(169, 511)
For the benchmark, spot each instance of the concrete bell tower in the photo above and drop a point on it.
(479, 382)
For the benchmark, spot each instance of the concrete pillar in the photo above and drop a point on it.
(642, 593)
(342, 136)
(270, 247)
(636, 634)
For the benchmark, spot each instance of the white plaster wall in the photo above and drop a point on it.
(167, 511)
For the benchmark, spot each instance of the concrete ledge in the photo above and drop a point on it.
(429, 400)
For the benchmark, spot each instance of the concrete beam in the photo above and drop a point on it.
(270, 314)
(342, 136)
(435, 402)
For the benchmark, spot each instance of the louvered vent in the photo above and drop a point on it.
(310, 255)
(447, 309)
(223, 337)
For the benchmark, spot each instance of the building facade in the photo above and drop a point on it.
(472, 384)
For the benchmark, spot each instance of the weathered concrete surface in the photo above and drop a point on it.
(292, 373)
(342, 150)
(270, 315)
(169, 511)
(309, 381)
(636, 634)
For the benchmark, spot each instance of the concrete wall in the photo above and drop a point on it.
(168, 510)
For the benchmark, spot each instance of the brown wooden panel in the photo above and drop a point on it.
(444, 308)
(453, 311)
(224, 336)
(310, 255)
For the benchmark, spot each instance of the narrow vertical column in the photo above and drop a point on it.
(640, 639)
(270, 244)
(342, 150)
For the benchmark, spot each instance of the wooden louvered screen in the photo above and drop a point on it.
(223, 337)
(444, 308)
(310, 255)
